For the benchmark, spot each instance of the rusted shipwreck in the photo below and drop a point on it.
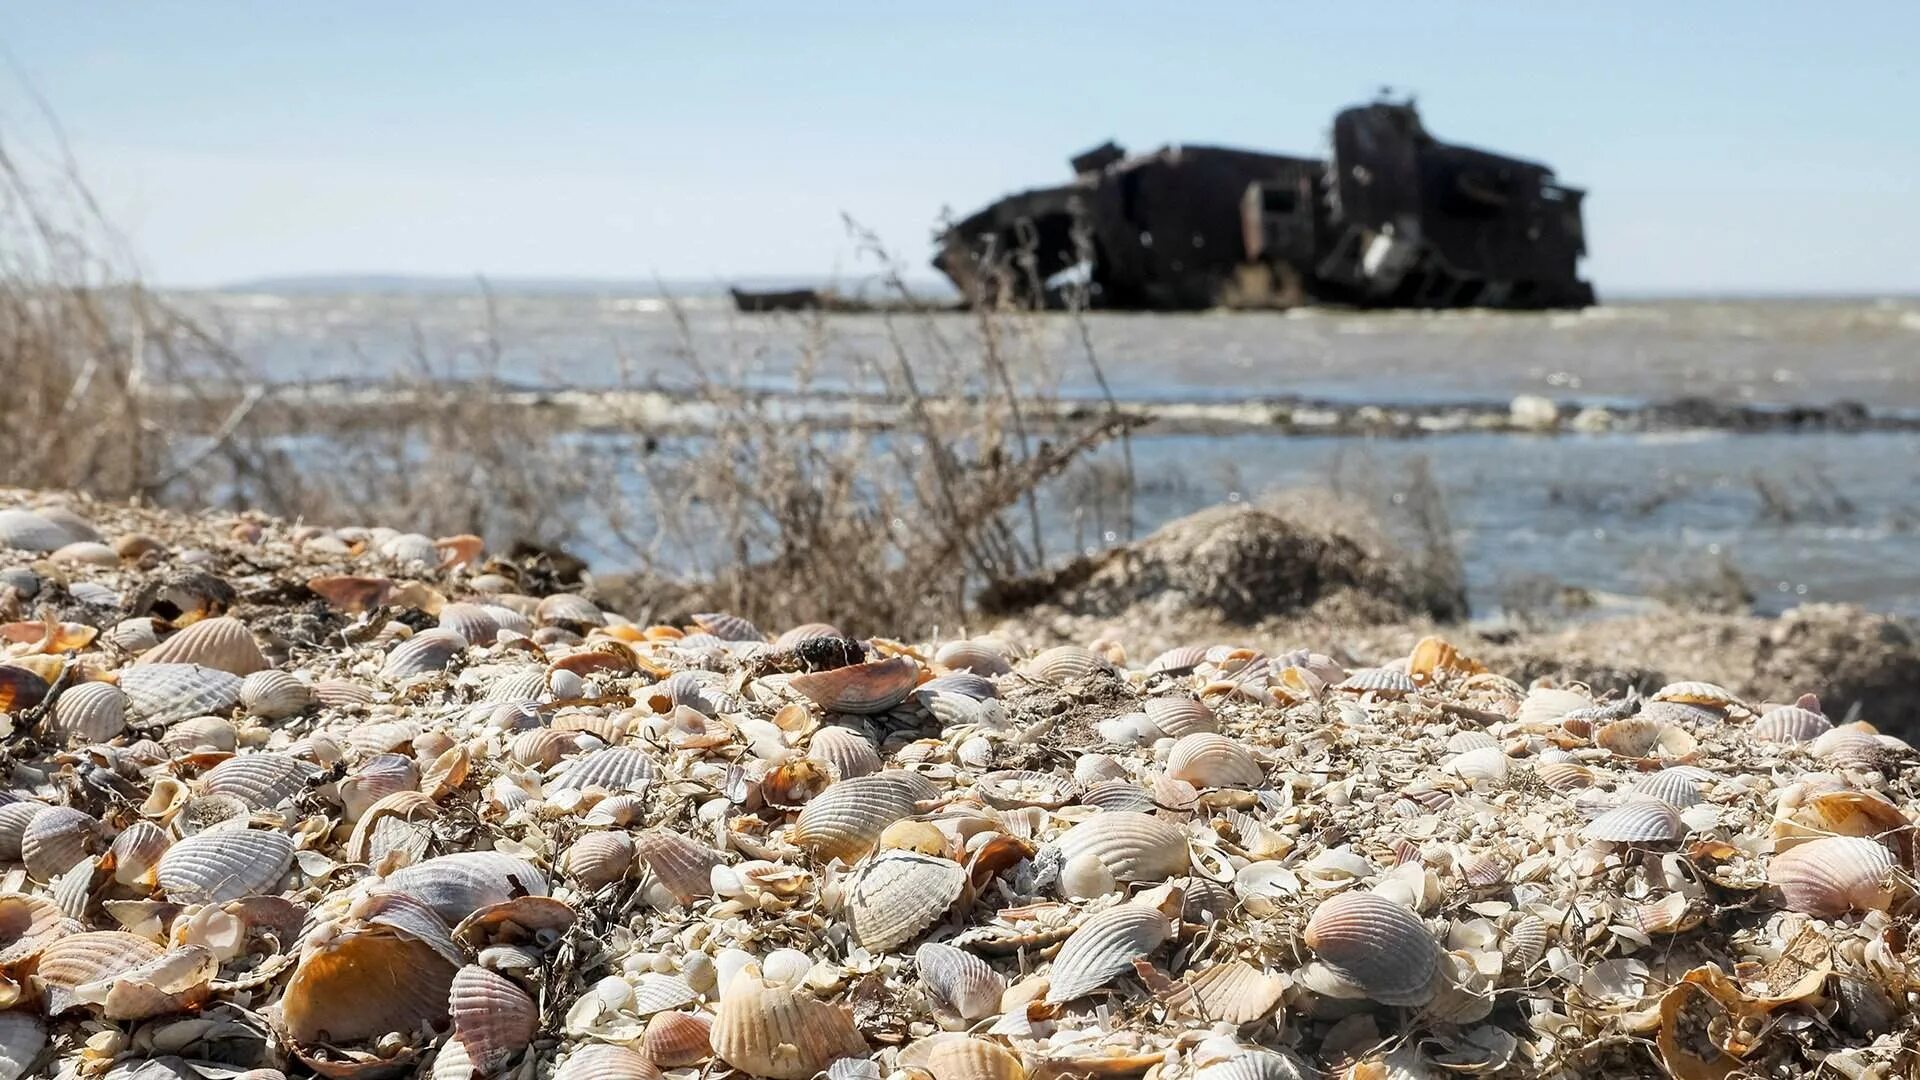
(1392, 218)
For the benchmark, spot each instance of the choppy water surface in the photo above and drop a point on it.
(1801, 517)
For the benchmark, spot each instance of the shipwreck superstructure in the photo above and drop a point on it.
(1393, 217)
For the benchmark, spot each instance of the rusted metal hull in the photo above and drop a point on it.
(1394, 218)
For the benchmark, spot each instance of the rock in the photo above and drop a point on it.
(1531, 412)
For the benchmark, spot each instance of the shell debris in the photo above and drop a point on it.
(354, 802)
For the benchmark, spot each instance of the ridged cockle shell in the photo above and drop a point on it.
(892, 899)
(1378, 945)
(777, 1031)
(872, 687)
(1104, 947)
(1833, 875)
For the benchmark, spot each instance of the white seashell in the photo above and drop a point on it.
(965, 1057)
(223, 643)
(1209, 760)
(342, 694)
(1833, 875)
(1377, 945)
(410, 551)
(1638, 820)
(1547, 705)
(167, 693)
(570, 610)
(773, 1031)
(1009, 789)
(24, 530)
(1678, 787)
(728, 627)
(91, 712)
(1110, 795)
(982, 656)
(846, 820)
(116, 973)
(1486, 763)
(136, 852)
(458, 885)
(1565, 775)
(1130, 846)
(1234, 993)
(399, 823)
(260, 780)
(472, 622)
(1695, 693)
(374, 779)
(846, 751)
(1386, 682)
(606, 1061)
(56, 839)
(892, 899)
(133, 636)
(427, 651)
(614, 768)
(659, 992)
(274, 695)
(1104, 947)
(1849, 747)
(22, 1036)
(493, 1018)
(225, 864)
(14, 817)
(959, 982)
(1179, 716)
(1791, 724)
(1064, 663)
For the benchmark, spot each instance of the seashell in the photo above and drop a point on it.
(167, 693)
(133, 636)
(20, 687)
(860, 689)
(775, 1031)
(427, 651)
(1104, 947)
(1487, 764)
(728, 627)
(1849, 747)
(388, 966)
(1833, 875)
(342, 694)
(56, 839)
(617, 810)
(125, 976)
(1009, 789)
(136, 853)
(260, 780)
(1638, 820)
(980, 656)
(410, 551)
(962, 683)
(1696, 693)
(1565, 775)
(543, 747)
(1111, 795)
(806, 632)
(847, 752)
(91, 712)
(892, 899)
(1377, 945)
(223, 643)
(1791, 724)
(509, 620)
(1545, 705)
(205, 813)
(24, 530)
(22, 1036)
(598, 859)
(968, 1058)
(28, 924)
(677, 1039)
(792, 784)
(493, 1018)
(225, 864)
(681, 865)
(474, 623)
(606, 1061)
(1677, 787)
(659, 992)
(374, 779)
(85, 553)
(1209, 760)
(274, 695)
(460, 884)
(1064, 663)
(1234, 993)
(396, 823)
(959, 982)
(1386, 682)
(1641, 737)
(1671, 914)
(350, 594)
(568, 610)
(1525, 942)
(613, 768)
(1130, 846)
(1180, 716)
(845, 820)
(1804, 817)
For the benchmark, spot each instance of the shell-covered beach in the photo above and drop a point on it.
(287, 799)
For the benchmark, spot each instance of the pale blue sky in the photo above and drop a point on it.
(1728, 147)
